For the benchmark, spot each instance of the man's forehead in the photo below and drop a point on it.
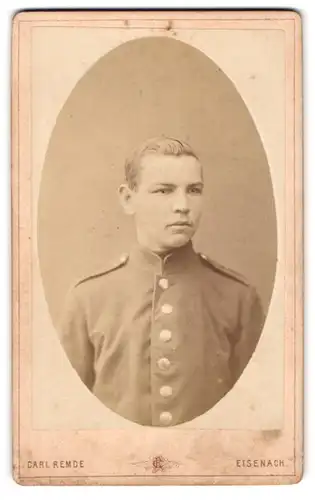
(164, 168)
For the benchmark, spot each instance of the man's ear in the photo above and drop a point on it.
(126, 196)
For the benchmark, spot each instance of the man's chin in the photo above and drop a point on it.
(177, 241)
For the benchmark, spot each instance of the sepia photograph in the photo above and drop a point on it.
(156, 173)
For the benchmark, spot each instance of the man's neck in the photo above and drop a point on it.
(162, 253)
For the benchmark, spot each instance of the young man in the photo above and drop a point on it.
(161, 336)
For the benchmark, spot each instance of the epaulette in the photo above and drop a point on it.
(116, 265)
(223, 270)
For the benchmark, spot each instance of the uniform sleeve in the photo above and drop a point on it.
(251, 323)
(75, 339)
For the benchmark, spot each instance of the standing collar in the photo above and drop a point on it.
(179, 260)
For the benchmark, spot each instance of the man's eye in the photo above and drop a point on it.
(162, 190)
(195, 190)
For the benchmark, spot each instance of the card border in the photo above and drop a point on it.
(294, 183)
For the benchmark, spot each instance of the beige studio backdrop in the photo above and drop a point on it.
(91, 105)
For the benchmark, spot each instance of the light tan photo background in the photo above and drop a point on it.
(77, 232)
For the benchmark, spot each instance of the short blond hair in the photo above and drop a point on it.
(157, 145)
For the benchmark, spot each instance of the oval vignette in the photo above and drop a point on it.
(141, 89)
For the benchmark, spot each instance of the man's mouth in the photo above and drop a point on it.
(180, 224)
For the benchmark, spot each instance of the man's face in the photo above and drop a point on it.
(167, 202)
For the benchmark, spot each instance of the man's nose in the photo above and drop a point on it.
(181, 203)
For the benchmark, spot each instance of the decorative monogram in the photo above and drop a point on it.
(158, 463)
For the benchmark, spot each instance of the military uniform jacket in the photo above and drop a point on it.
(161, 341)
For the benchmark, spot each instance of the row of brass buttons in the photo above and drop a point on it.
(164, 363)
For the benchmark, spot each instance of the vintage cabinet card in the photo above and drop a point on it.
(157, 247)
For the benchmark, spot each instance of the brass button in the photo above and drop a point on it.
(163, 283)
(165, 335)
(123, 258)
(166, 418)
(164, 363)
(166, 391)
(167, 308)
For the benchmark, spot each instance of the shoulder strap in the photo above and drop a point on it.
(223, 270)
(122, 261)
